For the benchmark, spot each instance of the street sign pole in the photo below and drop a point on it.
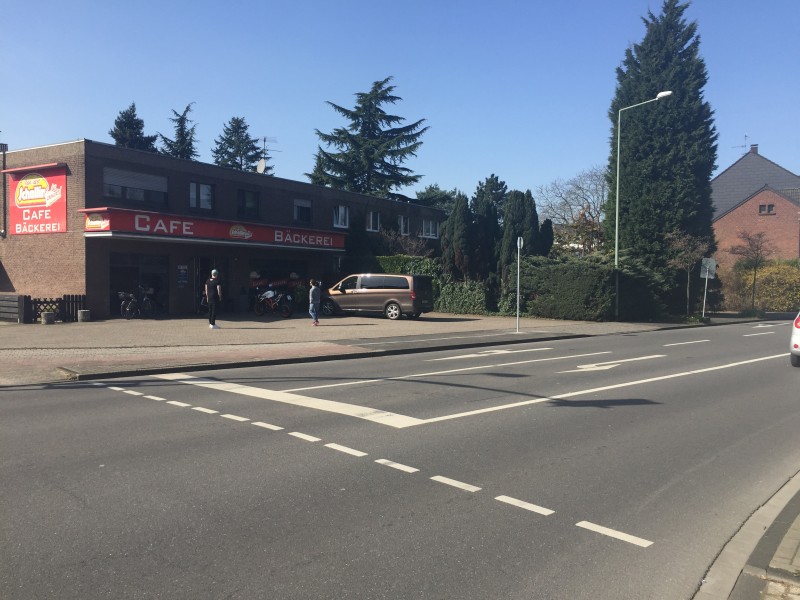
(519, 247)
(708, 270)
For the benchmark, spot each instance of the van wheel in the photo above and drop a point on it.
(795, 360)
(328, 308)
(392, 311)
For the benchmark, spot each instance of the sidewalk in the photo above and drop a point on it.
(768, 568)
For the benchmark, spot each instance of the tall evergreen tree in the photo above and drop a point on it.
(436, 197)
(457, 240)
(668, 148)
(368, 154)
(235, 148)
(128, 131)
(183, 145)
(521, 220)
(489, 197)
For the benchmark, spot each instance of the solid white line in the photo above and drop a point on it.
(631, 539)
(755, 334)
(132, 393)
(457, 484)
(398, 466)
(267, 426)
(455, 337)
(346, 450)
(176, 403)
(234, 418)
(155, 398)
(487, 354)
(685, 343)
(342, 408)
(526, 505)
(303, 436)
(208, 411)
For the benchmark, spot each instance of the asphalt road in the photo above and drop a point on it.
(612, 467)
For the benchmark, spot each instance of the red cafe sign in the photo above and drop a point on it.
(117, 220)
(39, 200)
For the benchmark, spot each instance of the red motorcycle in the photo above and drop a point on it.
(275, 302)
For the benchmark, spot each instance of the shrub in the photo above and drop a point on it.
(463, 297)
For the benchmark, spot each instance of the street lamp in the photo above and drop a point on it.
(616, 199)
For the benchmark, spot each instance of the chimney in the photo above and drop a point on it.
(754, 148)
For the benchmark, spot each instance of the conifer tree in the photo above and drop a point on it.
(128, 131)
(668, 148)
(235, 148)
(457, 241)
(183, 145)
(487, 202)
(521, 220)
(367, 155)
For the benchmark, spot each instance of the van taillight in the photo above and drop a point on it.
(797, 322)
(414, 297)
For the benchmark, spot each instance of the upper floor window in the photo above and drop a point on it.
(374, 221)
(341, 216)
(134, 187)
(247, 203)
(430, 229)
(766, 209)
(201, 195)
(404, 224)
(302, 211)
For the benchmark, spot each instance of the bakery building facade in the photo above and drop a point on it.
(94, 219)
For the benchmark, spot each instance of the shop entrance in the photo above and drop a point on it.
(130, 272)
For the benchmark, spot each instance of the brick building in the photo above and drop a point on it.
(91, 218)
(756, 195)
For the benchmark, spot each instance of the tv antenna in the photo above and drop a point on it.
(262, 164)
(744, 148)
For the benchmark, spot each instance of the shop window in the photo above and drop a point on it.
(404, 224)
(247, 203)
(374, 221)
(430, 229)
(201, 196)
(341, 217)
(129, 186)
(302, 211)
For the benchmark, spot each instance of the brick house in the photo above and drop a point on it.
(756, 195)
(90, 218)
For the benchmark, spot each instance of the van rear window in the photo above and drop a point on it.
(395, 283)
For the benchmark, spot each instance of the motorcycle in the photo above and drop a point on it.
(274, 301)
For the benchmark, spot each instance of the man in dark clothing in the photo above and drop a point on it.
(213, 293)
(313, 302)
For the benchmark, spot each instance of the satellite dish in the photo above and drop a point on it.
(262, 164)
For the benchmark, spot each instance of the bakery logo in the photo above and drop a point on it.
(240, 232)
(96, 222)
(33, 190)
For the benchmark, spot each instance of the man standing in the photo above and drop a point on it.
(213, 292)
(313, 301)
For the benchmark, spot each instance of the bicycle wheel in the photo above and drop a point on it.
(122, 306)
(130, 310)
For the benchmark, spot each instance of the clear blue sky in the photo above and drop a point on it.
(520, 88)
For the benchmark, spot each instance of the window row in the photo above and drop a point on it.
(152, 190)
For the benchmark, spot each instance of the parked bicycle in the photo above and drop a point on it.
(137, 305)
(274, 301)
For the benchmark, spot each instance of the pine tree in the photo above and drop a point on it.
(368, 154)
(128, 131)
(521, 220)
(487, 202)
(668, 148)
(235, 148)
(457, 241)
(183, 146)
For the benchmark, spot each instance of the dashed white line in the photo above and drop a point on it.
(156, 398)
(631, 539)
(176, 403)
(208, 411)
(304, 436)
(686, 343)
(525, 505)
(234, 417)
(398, 466)
(755, 334)
(346, 450)
(132, 393)
(456, 484)
(116, 389)
(267, 426)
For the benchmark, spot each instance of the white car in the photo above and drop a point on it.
(794, 344)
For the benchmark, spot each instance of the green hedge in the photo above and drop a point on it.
(462, 297)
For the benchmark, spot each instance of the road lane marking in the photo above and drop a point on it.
(631, 539)
(208, 411)
(156, 398)
(456, 484)
(605, 366)
(685, 343)
(304, 436)
(454, 337)
(267, 426)
(235, 418)
(133, 393)
(346, 450)
(755, 334)
(525, 505)
(486, 353)
(176, 403)
(398, 466)
(116, 389)
(342, 408)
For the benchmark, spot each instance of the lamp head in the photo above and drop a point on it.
(663, 94)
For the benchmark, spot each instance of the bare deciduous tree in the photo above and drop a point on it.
(687, 251)
(754, 251)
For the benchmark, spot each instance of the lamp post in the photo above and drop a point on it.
(659, 96)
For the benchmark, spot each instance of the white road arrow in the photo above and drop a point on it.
(610, 365)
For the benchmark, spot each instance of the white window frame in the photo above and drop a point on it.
(430, 229)
(404, 224)
(341, 216)
(374, 221)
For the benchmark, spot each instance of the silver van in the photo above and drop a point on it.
(390, 294)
